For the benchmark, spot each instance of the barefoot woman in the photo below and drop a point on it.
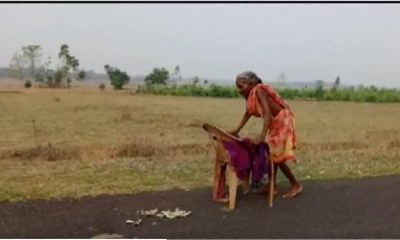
(278, 128)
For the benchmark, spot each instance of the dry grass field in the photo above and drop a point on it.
(71, 143)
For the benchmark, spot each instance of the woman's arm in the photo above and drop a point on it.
(243, 122)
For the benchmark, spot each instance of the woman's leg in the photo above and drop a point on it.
(296, 187)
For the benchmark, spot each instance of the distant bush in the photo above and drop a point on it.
(102, 86)
(346, 94)
(157, 76)
(190, 90)
(371, 94)
(117, 77)
(28, 84)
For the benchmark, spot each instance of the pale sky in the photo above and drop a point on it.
(359, 42)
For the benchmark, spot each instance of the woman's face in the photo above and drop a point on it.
(243, 87)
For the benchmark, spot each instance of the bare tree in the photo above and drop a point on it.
(195, 80)
(176, 74)
(32, 53)
(17, 65)
(336, 84)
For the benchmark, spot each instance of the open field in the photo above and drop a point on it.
(70, 143)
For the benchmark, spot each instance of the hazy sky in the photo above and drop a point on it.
(359, 42)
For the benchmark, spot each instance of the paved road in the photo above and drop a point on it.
(365, 208)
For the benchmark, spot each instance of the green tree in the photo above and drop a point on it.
(68, 62)
(117, 77)
(32, 53)
(157, 76)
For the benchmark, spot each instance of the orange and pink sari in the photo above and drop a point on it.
(281, 136)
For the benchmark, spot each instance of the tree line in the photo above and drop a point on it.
(321, 93)
(27, 63)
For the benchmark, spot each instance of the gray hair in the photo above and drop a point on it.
(249, 77)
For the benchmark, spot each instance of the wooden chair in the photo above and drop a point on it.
(222, 159)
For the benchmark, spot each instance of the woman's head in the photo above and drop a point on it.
(245, 82)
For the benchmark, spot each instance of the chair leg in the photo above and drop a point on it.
(219, 181)
(233, 183)
(272, 184)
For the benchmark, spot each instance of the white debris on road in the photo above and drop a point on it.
(151, 212)
(154, 212)
(174, 214)
(136, 223)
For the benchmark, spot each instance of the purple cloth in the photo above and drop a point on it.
(248, 158)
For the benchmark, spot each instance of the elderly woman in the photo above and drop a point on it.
(278, 128)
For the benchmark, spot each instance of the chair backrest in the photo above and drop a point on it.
(218, 137)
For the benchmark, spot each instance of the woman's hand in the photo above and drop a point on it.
(234, 132)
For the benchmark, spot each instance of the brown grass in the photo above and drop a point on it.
(118, 142)
(48, 153)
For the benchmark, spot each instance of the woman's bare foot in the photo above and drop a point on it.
(294, 191)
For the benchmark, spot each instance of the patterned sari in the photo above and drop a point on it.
(281, 136)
